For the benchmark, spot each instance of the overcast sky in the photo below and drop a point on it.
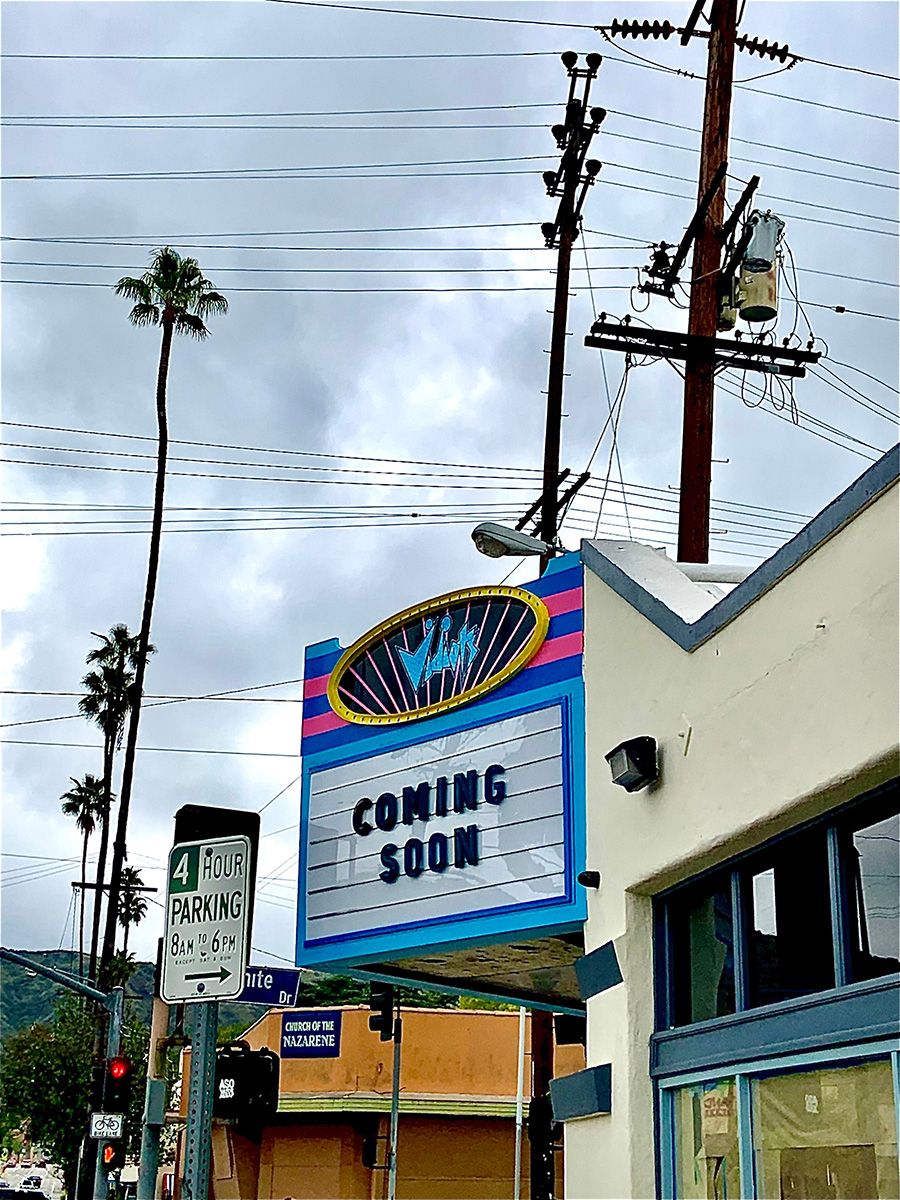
(425, 343)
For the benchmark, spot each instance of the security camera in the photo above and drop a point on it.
(496, 540)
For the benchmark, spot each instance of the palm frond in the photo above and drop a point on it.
(186, 322)
(134, 289)
(144, 314)
(211, 302)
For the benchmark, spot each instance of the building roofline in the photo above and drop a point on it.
(873, 482)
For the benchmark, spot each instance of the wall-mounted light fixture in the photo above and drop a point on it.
(589, 879)
(634, 764)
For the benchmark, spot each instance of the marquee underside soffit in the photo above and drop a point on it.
(540, 970)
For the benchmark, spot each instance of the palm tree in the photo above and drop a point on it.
(132, 906)
(84, 802)
(174, 294)
(110, 694)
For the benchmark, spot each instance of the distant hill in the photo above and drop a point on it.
(27, 999)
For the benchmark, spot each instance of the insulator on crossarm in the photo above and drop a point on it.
(569, 59)
(549, 178)
(593, 61)
(559, 132)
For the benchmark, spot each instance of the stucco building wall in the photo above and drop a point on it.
(785, 712)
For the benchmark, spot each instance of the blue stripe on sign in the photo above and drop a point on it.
(525, 681)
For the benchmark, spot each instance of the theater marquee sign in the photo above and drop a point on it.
(439, 794)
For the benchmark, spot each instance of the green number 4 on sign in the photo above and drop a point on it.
(185, 870)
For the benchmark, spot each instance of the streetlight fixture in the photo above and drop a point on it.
(496, 540)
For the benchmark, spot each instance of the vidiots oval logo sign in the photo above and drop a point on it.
(438, 655)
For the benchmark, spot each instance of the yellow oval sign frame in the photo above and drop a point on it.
(392, 624)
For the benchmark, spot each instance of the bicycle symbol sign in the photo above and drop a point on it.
(107, 1125)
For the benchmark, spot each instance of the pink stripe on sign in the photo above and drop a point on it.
(317, 686)
(556, 648)
(564, 602)
(322, 724)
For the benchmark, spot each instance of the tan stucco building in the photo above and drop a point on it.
(457, 1130)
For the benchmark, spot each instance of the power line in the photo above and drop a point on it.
(408, 12)
(220, 270)
(276, 57)
(153, 749)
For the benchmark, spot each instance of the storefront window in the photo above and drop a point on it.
(790, 945)
(829, 1134)
(873, 886)
(706, 1142)
(703, 953)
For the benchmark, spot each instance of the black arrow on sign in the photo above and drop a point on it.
(220, 975)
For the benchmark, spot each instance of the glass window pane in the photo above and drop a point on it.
(706, 1141)
(829, 1134)
(790, 947)
(873, 885)
(703, 952)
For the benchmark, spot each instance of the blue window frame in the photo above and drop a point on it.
(779, 965)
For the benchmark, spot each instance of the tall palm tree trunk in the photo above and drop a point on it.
(83, 894)
(119, 847)
(108, 755)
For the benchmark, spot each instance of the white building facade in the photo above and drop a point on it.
(741, 950)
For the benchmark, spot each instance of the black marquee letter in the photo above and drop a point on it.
(392, 870)
(414, 858)
(386, 811)
(360, 824)
(465, 846)
(415, 803)
(438, 854)
(440, 796)
(494, 788)
(465, 791)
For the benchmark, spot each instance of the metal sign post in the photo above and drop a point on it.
(395, 1109)
(113, 1045)
(198, 1133)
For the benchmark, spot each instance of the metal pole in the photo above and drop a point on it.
(697, 432)
(62, 977)
(113, 1045)
(154, 1103)
(198, 1132)
(395, 1110)
(520, 1079)
(547, 529)
(543, 1183)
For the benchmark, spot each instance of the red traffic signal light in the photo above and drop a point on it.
(112, 1155)
(119, 1082)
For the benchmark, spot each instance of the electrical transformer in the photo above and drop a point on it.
(758, 295)
(760, 253)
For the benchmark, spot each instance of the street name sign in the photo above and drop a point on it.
(276, 986)
(208, 902)
(107, 1125)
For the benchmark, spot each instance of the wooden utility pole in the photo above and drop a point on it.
(697, 434)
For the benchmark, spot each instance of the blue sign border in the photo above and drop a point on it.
(483, 926)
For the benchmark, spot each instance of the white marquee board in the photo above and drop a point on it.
(519, 839)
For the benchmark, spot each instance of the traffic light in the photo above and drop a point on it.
(381, 1001)
(98, 1082)
(246, 1088)
(118, 1085)
(112, 1155)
